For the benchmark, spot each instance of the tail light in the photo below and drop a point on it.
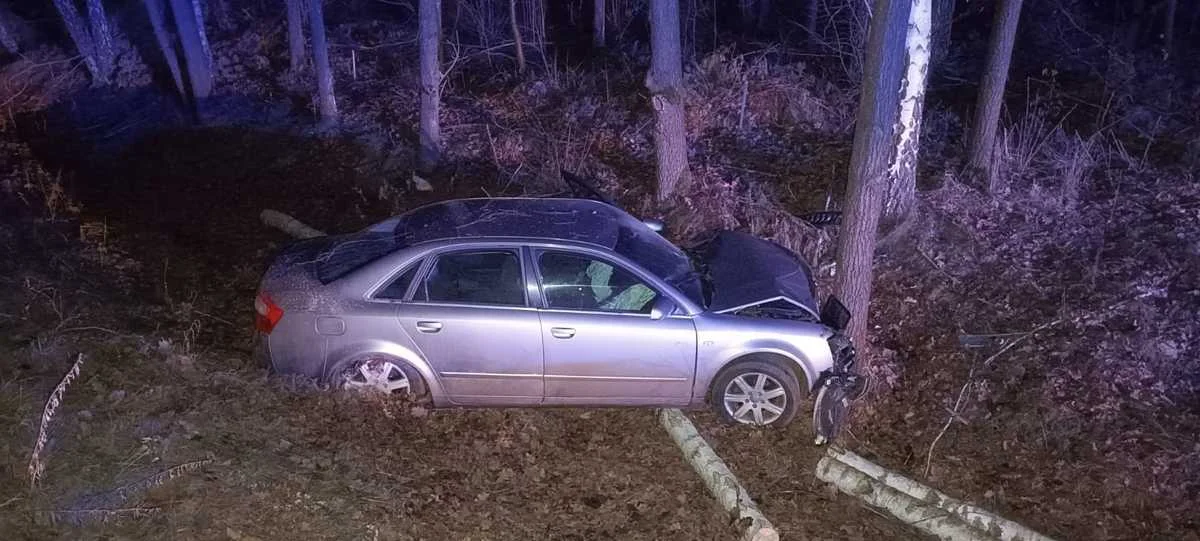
(266, 314)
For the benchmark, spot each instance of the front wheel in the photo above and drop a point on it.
(756, 393)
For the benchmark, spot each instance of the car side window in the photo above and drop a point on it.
(399, 286)
(578, 282)
(482, 277)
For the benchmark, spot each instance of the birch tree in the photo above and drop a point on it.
(1169, 28)
(518, 44)
(598, 20)
(92, 37)
(902, 172)
(157, 16)
(196, 55)
(991, 92)
(295, 24)
(874, 142)
(326, 103)
(429, 36)
(665, 83)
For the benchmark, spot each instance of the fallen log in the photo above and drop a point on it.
(918, 505)
(716, 476)
(289, 225)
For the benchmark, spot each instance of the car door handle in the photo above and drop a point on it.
(562, 332)
(429, 326)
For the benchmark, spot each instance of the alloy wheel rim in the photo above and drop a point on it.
(755, 398)
(376, 375)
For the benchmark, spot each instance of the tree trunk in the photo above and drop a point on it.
(295, 23)
(1169, 29)
(764, 13)
(598, 20)
(665, 83)
(991, 92)
(8, 39)
(326, 103)
(943, 26)
(902, 173)
(722, 484)
(874, 141)
(205, 49)
(193, 51)
(154, 10)
(747, 13)
(923, 507)
(516, 31)
(77, 28)
(431, 85)
(102, 42)
(810, 20)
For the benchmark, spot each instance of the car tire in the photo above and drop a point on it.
(756, 393)
(381, 373)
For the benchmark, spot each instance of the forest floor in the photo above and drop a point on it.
(1077, 413)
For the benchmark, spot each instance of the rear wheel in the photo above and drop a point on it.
(757, 393)
(380, 375)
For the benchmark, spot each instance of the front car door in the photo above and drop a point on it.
(470, 316)
(600, 344)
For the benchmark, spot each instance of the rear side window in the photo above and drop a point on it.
(485, 277)
(395, 291)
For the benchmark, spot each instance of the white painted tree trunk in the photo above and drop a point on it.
(102, 41)
(902, 172)
(918, 505)
(8, 38)
(716, 475)
(189, 30)
(201, 32)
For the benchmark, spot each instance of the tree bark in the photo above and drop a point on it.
(598, 20)
(78, 29)
(431, 85)
(902, 173)
(293, 227)
(721, 482)
(326, 102)
(810, 20)
(924, 507)
(154, 10)
(295, 23)
(665, 83)
(516, 31)
(102, 41)
(202, 33)
(991, 92)
(874, 141)
(943, 26)
(199, 74)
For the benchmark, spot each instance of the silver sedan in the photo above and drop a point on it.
(557, 302)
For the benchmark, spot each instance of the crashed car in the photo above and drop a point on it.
(557, 302)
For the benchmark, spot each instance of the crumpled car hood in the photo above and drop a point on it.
(746, 271)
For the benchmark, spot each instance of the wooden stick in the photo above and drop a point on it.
(716, 475)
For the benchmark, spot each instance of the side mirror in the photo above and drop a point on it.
(834, 314)
(661, 308)
(656, 226)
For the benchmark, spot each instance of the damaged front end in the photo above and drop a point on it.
(839, 385)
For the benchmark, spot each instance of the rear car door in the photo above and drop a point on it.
(601, 345)
(470, 317)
